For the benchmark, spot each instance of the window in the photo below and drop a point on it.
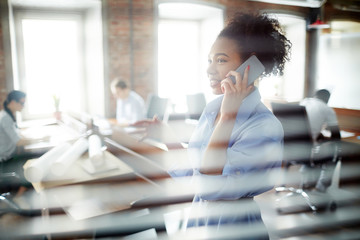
(58, 54)
(185, 34)
(52, 63)
(338, 64)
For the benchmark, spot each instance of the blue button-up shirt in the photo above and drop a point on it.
(255, 147)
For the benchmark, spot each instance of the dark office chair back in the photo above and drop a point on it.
(298, 142)
(157, 106)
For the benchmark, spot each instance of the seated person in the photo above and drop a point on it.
(11, 137)
(321, 117)
(130, 106)
(237, 137)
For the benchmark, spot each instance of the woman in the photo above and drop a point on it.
(237, 140)
(10, 136)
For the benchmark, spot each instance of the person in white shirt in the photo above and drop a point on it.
(130, 106)
(321, 117)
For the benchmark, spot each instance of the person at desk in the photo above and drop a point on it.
(321, 117)
(130, 106)
(11, 137)
(237, 137)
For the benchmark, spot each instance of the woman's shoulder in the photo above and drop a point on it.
(265, 120)
(4, 116)
(5, 119)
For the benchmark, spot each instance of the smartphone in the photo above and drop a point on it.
(256, 69)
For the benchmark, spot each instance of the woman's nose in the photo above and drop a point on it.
(211, 69)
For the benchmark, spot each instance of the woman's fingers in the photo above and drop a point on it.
(227, 85)
(239, 79)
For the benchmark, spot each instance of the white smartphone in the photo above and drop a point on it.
(256, 69)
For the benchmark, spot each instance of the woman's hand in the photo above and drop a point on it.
(234, 94)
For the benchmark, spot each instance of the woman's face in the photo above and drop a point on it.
(223, 57)
(19, 105)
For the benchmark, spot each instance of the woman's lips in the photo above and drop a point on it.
(214, 82)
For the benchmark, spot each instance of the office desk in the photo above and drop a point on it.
(79, 173)
(57, 132)
(353, 138)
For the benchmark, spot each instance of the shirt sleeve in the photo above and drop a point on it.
(331, 119)
(140, 110)
(255, 152)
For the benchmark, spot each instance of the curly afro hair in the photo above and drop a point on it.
(260, 35)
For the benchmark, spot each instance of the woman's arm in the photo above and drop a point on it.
(215, 154)
(255, 154)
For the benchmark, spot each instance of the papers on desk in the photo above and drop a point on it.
(37, 123)
(343, 134)
(106, 166)
(58, 163)
(62, 163)
(133, 138)
(58, 135)
(88, 208)
(40, 168)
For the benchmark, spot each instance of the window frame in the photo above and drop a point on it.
(20, 82)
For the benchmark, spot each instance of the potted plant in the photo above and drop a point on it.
(57, 112)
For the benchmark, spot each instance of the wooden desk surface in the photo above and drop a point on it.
(57, 133)
(79, 173)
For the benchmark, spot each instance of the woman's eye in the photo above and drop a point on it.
(221, 60)
(209, 61)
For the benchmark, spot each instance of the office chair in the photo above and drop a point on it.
(195, 104)
(300, 149)
(157, 106)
